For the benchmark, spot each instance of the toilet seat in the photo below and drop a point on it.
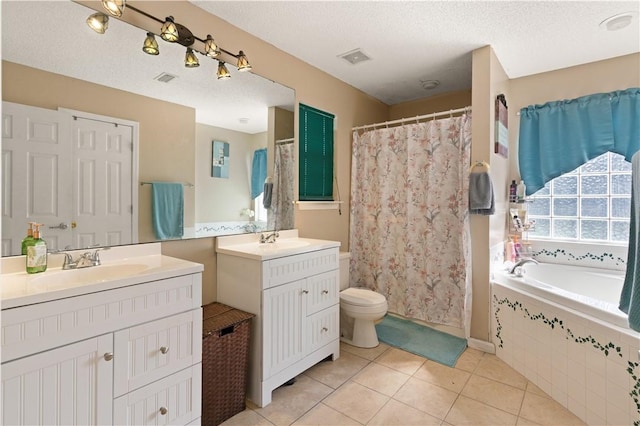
(361, 297)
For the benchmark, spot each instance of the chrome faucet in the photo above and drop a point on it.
(269, 238)
(85, 260)
(522, 262)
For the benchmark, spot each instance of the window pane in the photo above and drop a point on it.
(565, 207)
(593, 207)
(594, 229)
(540, 206)
(542, 228)
(620, 207)
(565, 185)
(620, 230)
(619, 164)
(565, 228)
(595, 165)
(544, 191)
(621, 184)
(594, 184)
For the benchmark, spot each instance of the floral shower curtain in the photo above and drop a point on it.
(281, 215)
(410, 238)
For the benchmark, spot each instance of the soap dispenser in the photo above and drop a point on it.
(36, 252)
(29, 237)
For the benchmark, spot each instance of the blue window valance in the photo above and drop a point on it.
(558, 137)
(258, 172)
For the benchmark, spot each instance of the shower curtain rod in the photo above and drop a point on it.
(416, 118)
(284, 141)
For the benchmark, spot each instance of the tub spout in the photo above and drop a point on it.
(520, 263)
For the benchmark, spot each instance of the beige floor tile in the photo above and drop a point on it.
(546, 411)
(441, 375)
(324, 415)
(397, 413)
(427, 397)
(380, 378)
(525, 422)
(402, 361)
(498, 395)
(366, 353)
(536, 390)
(492, 367)
(247, 417)
(335, 373)
(291, 402)
(356, 401)
(467, 411)
(469, 360)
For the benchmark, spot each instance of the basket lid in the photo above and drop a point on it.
(225, 316)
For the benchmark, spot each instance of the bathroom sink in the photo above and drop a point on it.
(287, 244)
(76, 277)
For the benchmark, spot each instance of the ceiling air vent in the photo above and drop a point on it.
(355, 56)
(165, 77)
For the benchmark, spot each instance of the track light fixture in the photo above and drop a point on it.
(169, 31)
(172, 32)
(223, 72)
(150, 45)
(114, 7)
(210, 47)
(98, 22)
(190, 59)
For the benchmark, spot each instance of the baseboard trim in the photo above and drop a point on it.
(481, 345)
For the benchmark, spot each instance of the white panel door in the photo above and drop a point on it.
(36, 175)
(103, 205)
(69, 385)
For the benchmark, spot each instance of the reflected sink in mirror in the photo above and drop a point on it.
(60, 279)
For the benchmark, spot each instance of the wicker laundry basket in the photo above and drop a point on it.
(225, 362)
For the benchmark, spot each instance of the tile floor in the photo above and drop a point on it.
(388, 386)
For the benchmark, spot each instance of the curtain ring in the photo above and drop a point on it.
(417, 119)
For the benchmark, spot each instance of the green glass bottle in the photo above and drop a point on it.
(27, 238)
(36, 252)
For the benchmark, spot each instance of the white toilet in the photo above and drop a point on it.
(360, 308)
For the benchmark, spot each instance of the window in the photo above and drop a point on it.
(316, 155)
(591, 203)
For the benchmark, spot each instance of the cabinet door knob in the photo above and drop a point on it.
(305, 291)
(163, 411)
(325, 329)
(108, 356)
(324, 292)
(164, 349)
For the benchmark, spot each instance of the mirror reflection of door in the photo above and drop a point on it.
(72, 176)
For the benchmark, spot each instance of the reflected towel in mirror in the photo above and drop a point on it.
(167, 199)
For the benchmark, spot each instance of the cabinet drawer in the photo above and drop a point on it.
(323, 327)
(150, 351)
(35, 328)
(174, 400)
(322, 291)
(291, 268)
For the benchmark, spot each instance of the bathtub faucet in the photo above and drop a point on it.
(521, 262)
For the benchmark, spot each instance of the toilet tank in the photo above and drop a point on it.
(344, 269)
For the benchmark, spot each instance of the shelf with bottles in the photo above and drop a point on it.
(519, 221)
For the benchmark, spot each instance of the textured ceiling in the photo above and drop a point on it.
(410, 41)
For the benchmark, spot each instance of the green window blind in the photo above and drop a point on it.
(316, 155)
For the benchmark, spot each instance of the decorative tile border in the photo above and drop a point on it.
(607, 348)
(566, 255)
(227, 228)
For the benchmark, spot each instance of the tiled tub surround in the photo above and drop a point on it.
(585, 363)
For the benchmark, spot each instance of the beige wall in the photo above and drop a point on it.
(437, 103)
(219, 199)
(167, 131)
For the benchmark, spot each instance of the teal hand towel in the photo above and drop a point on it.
(167, 201)
(630, 296)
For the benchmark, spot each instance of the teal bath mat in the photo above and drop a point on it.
(420, 340)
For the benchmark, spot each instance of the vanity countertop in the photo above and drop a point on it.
(20, 289)
(288, 244)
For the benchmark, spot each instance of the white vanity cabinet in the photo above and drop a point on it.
(126, 355)
(295, 298)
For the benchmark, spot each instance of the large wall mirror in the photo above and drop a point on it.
(52, 60)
